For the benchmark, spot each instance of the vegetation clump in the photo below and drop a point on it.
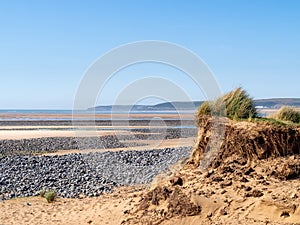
(288, 114)
(236, 104)
(49, 195)
(43, 192)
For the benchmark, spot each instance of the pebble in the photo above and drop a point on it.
(294, 195)
(77, 175)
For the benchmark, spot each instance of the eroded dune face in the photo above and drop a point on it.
(249, 141)
(253, 179)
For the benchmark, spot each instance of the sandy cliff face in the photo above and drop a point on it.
(249, 141)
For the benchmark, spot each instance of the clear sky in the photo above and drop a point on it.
(46, 46)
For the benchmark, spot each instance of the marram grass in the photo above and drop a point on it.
(236, 104)
(289, 114)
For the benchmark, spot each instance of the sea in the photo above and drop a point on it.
(46, 114)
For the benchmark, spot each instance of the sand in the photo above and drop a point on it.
(112, 209)
(149, 145)
(220, 204)
(106, 209)
(98, 116)
(24, 134)
(279, 204)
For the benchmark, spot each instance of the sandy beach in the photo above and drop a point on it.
(224, 197)
(111, 209)
(106, 209)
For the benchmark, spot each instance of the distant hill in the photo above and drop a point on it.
(178, 105)
(171, 106)
(278, 102)
(166, 106)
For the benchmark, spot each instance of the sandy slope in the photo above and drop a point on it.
(224, 198)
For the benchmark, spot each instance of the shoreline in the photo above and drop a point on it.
(109, 116)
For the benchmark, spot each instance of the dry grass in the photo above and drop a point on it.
(236, 104)
(287, 114)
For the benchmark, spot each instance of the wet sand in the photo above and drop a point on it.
(149, 144)
(26, 134)
(98, 116)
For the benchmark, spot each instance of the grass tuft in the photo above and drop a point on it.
(42, 193)
(50, 195)
(289, 114)
(236, 105)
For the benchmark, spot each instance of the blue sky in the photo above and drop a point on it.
(46, 46)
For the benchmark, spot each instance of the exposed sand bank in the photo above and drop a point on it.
(25, 134)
